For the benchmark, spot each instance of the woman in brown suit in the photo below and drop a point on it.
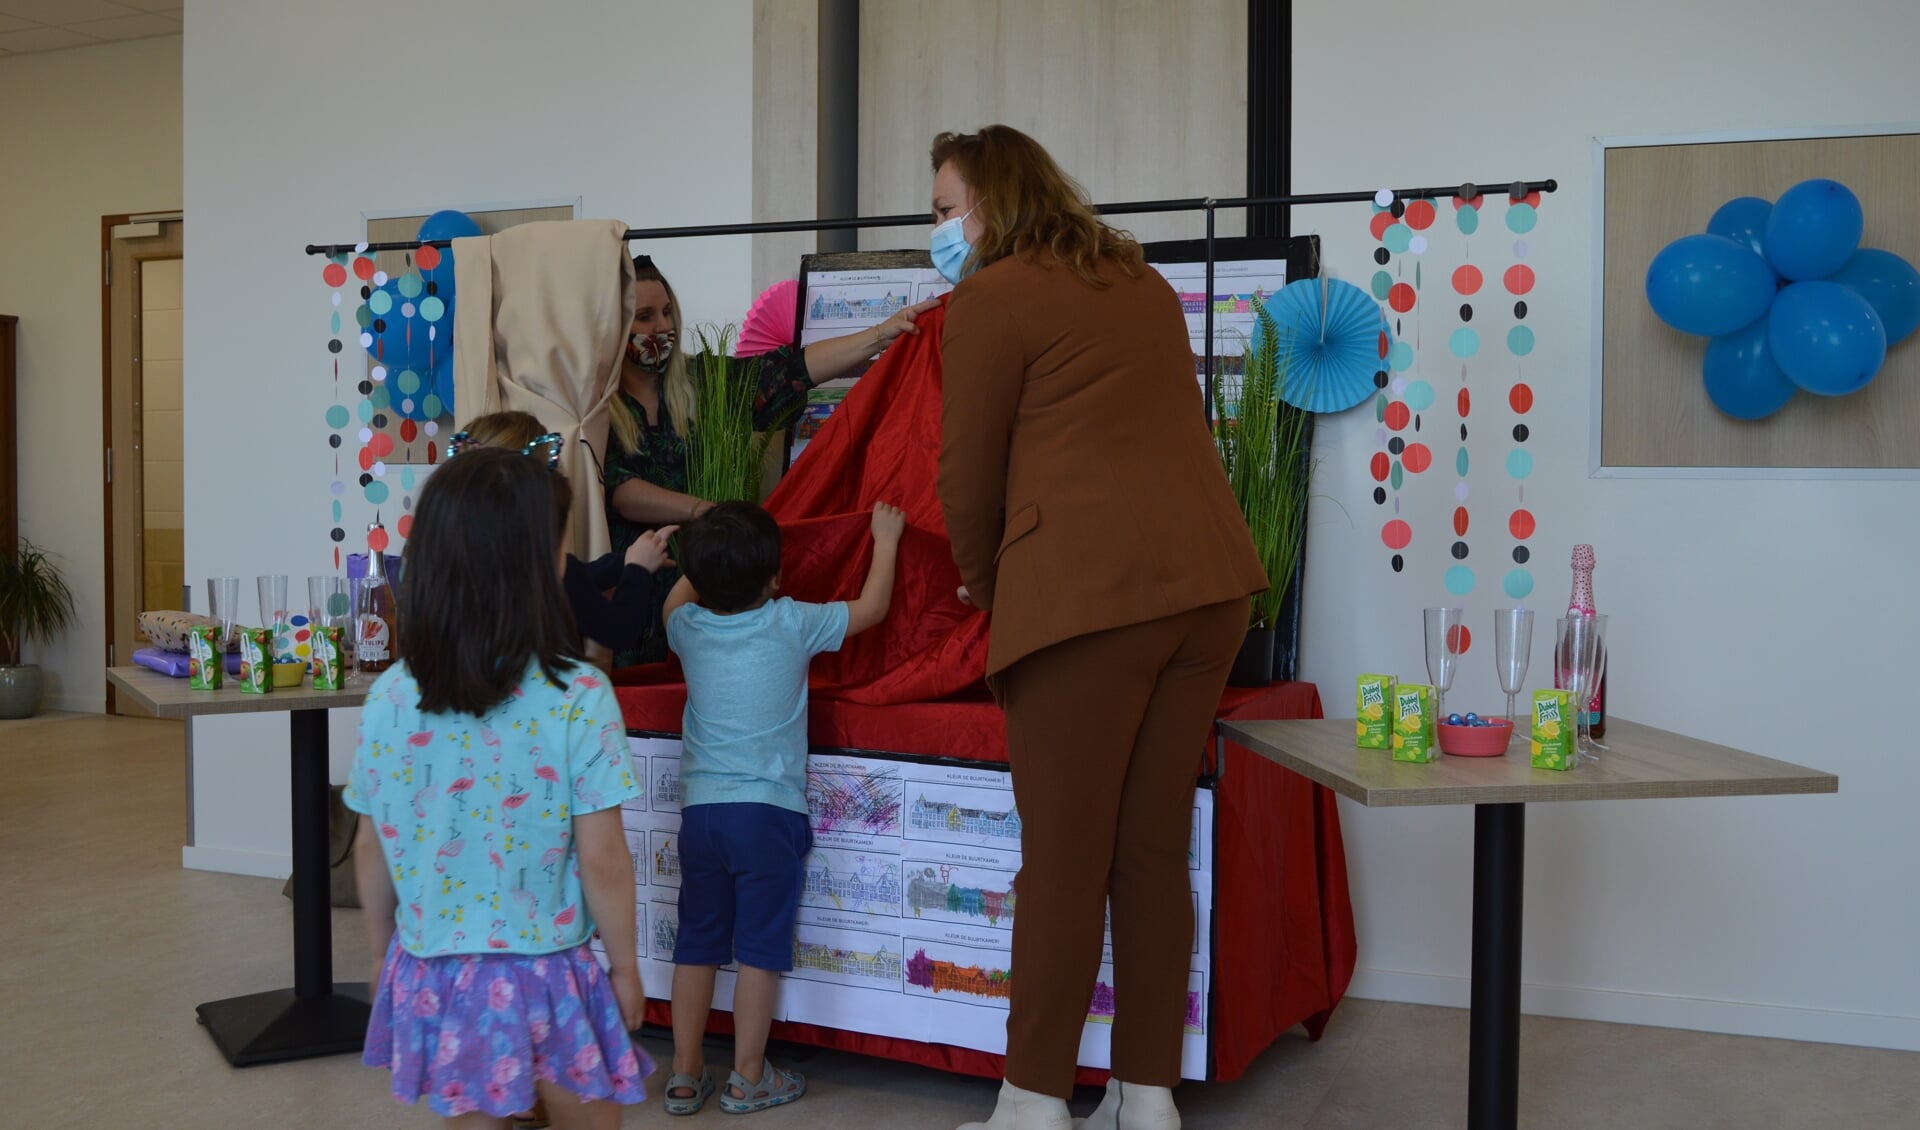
(1090, 515)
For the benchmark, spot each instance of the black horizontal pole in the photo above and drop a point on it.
(921, 219)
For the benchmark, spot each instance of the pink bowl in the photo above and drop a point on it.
(1476, 741)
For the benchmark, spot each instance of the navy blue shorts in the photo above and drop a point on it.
(740, 874)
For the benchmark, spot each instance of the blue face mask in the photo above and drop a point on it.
(949, 247)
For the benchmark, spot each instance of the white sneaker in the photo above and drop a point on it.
(1130, 1106)
(1025, 1110)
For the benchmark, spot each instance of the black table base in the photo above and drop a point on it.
(1493, 1041)
(317, 1016)
(280, 1024)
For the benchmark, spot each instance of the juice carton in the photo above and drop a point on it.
(1414, 735)
(256, 660)
(328, 643)
(1553, 733)
(1373, 705)
(206, 657)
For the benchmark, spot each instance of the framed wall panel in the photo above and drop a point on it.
(1652, 417)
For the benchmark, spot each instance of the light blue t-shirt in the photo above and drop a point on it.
(475, 815)
(746, 722)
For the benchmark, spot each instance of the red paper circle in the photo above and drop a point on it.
(333, 274)
(1520, 524)
(1385, 345)
(363, 268)
(1380, 223)
(1467, 279)
(1459, 521)
(1417, 457)
(1463, 403)
(381, 444)
(1519, 278)
(1398, 416)
(1459, 639)
(426, 258)
(1521, 398)
(1460, 202)
(1420, 215)
(377, 538)
(1379, 466)
(1396, 534)
(366, 459)
(1401, 297)
(405, 525)
(409, 431)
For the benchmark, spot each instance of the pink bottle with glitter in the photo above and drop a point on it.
(1581, 604)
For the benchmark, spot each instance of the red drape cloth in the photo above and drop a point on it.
(1284, 942)
(883, 445)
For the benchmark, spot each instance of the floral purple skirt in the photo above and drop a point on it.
(471, 1032)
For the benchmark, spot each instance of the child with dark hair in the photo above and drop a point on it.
(743, 826)
(612, 596)
(489, 777)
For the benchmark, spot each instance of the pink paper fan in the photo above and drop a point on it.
(770, 323)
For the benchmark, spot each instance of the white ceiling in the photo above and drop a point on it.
(52, 25)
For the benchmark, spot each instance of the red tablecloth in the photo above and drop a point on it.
(1283, 925)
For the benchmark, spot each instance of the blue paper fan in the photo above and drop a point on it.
(1332, 329)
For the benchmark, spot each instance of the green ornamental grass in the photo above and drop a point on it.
(724, 453)
(1264, 441)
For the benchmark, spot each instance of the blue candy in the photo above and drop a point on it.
(1455, 720)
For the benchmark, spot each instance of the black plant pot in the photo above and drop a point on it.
(1253, 667)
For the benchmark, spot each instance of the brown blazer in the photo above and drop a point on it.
(1080, 485)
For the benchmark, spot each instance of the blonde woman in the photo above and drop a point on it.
(646, 464)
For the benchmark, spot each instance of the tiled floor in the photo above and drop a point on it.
(106, 945)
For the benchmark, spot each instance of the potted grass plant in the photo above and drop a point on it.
(1264, 443)
(724, 453)
(35, 604)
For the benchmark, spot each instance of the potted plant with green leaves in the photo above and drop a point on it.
(1264, 443)
(35, 605)
(725, 455)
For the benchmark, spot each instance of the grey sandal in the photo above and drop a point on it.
(702, 1089)
(775, 1088)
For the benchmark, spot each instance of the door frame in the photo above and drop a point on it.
(117, 465)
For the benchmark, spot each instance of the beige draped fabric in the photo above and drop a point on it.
(541, 327)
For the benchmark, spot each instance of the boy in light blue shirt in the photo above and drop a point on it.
(744, 831)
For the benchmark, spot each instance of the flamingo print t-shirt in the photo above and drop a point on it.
(475, 815)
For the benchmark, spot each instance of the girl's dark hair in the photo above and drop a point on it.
(480, 593)
(729, 554)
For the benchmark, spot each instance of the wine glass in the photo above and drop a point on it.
(1579, 654)
(1443, 652)
(1512, 647)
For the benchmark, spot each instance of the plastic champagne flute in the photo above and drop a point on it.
(1512, 648)
(1577, 654)
(1443, 652)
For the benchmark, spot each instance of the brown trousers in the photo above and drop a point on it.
(1105, 734)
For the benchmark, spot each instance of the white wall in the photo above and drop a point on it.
(301, 117)
(84, 133)
(1772, 616)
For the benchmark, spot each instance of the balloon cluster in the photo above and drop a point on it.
(1788, 296)
(421, 355)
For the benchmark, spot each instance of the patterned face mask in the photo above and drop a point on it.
(650, 351)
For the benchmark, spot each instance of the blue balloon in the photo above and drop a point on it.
(443, 380)
(448, 224)
(1826, 338)
(1743, 220)
(1708, 285)
(1890, 285)
(1814, 230)
(1742, 379)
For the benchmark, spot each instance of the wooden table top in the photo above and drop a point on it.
(168, 697)
(1641, 763)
